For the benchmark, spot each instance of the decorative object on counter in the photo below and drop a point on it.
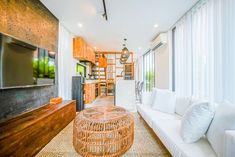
(57, 100)
(103, 131)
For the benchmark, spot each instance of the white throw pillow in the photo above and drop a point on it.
(164, 101)
(147, 98)
(224, 120)
(194, 100)
(196, 121)
(181, 105)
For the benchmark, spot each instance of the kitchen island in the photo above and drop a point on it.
(125, 94)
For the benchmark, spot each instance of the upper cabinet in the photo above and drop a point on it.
(102, 62)
(79, 48)
(90, 54)
(82, 51)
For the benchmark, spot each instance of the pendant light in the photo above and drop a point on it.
(125, 53)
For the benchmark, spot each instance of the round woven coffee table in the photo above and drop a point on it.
(103, 131)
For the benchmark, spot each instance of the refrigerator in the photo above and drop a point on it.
(78, 92)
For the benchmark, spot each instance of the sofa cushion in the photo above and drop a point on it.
(150, 115)
(182, 104)
(196, 121)
(229, 150)
(145, 112)
(169, 133)
(224, 119)
(147, 98)
(164, 101)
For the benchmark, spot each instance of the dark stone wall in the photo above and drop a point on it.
(30, 21)
(17, 101)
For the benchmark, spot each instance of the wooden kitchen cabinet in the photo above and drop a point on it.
(89, 95)
(93, 92)
(102, 62)
(79, 48)
(90, 54)
(82, 51)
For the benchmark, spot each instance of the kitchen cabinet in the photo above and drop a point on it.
(89, 92)
(102, 62)
(93, 92)
(90, 54)
(79, 48)
(82, 51)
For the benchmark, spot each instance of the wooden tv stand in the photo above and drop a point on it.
(28, 133)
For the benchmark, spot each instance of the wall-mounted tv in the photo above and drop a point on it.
(24, 65)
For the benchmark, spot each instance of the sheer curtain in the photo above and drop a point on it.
(66, 63)
(203, 50)
(228, 47)
(183, 57)
(199, 54)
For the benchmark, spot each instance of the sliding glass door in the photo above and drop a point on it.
(149, 75)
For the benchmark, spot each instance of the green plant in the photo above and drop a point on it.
(149, 80)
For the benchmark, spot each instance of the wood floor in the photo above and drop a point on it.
(102, 101)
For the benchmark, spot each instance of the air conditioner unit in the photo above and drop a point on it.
(159, 41)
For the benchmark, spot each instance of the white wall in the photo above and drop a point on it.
(66, 63)
(162, 67)
(139, 69)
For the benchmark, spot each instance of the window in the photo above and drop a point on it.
(149, 74)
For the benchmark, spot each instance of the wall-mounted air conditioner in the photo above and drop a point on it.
(159, 41)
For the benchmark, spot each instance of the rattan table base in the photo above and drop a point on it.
(103, 131)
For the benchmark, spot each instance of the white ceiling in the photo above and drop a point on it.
(131, 19)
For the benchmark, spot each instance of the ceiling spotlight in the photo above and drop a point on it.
(139, 48)
(155, 26)
(80, 25)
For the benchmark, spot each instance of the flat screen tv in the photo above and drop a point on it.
(24, 65)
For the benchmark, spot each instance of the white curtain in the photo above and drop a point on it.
(183, 57)
(66, 63)
(139, 69)
(205, 51)
(228, 47)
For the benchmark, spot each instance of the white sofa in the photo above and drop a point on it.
(167, 128)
